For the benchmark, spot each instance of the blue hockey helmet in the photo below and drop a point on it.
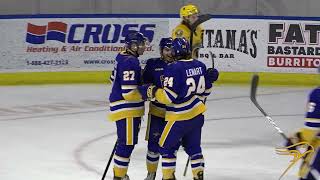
(135, 37)
(165, 43)
(181, 48)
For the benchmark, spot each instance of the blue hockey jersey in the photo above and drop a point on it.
(311, 133)
(125, 99)
(312, 120)
(185, 86)
(153, 73)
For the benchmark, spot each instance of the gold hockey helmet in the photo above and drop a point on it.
(188, 10)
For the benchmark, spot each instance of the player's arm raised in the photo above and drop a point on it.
(211, 75)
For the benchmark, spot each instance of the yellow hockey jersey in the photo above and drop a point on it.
(183, 30)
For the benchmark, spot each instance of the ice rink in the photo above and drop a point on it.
(60, 132)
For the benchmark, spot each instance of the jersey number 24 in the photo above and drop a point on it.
(194, 87)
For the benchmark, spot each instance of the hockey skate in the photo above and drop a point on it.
(200, 176)
(119, 178)
(151, 176)
(174, 178)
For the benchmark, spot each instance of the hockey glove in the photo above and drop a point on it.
(293, 139)
(111, 78)
(147, 91)
(212, 74)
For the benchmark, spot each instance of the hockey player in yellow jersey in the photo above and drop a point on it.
(189, 15)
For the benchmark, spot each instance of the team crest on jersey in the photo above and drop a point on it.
(179, 33)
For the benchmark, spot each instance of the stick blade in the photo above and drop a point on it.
(254, 86)
(201, 19)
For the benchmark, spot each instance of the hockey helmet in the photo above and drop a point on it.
(188, 10)
(135, 37)
(165, 43)
(180, 47)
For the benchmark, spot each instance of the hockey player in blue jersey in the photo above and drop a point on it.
(186, 82)
(153, 74)
(126, 103)
(310, 168)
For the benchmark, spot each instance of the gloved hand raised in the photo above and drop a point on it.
(212, 74)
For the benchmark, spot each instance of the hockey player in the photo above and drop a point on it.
(126, 104)
(310, 168)
(185, 81)
(153, 74)
(189, 15)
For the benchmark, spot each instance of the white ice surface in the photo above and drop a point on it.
(60, 132)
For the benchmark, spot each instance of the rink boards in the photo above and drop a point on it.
(44, 49)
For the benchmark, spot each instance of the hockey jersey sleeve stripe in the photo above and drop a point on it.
(171, 92)
(162, 97)
(188, 106)
(181, 105)
(133, 95)
(202, 98)
(185, 109)
(185, 115)
(204, 95)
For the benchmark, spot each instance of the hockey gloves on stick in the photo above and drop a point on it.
(147, 91)
(212, 75)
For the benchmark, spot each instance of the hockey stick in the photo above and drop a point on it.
(254, 86)
(109, 161)
(186, 167)
(201, 19)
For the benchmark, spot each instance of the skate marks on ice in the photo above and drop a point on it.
(228, 155)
